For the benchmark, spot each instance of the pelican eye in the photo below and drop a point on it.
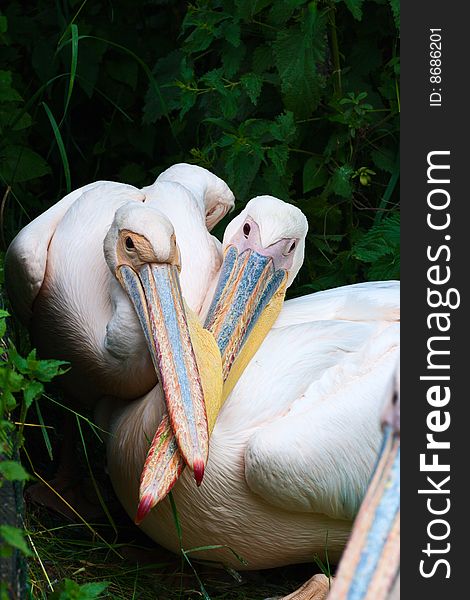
(246, 229)
(129, 243)
(292, 247)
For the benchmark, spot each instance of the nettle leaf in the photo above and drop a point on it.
(340, 182)
(19, 163)
(70, 590)
(315, 174)
(386, 267)
(187, 101)
(279, 156)
(3, 323)
(282, 10)
(32, 391)
(384, 159)
(278, 185)
(232, 58)
(297, 51)
(13, 537)
(252, 84)
(242, 165)
(13, 471)
(46, 370)
(7, 92)
(230, 31)
(381, 240)
(10, 380)
(355, 6)
(284, 128)
(395, 6)
(214, 79)
(229, 103)
(262, 58)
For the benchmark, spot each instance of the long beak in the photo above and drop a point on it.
(370, 565)
(247, 282)
(156, 296)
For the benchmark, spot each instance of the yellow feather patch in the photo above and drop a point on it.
(255, 339)
(209, 363)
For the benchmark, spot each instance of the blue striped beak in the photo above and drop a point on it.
(156, 295)
(370, 566)
(247, 282)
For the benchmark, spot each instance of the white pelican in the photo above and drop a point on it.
(60, 286)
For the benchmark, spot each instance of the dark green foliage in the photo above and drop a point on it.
(292, 98)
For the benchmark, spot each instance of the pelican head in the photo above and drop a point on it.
(263, 252)
(141, 251)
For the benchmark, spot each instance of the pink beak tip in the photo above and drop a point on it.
(198, 471)
(145, 506)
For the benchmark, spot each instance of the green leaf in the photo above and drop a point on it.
(279, 155)
(380, 240)
(12, 536)
(252, 84)
(384, 159)
(284, 128)
(230, 31)
(355, 6)
(315, 174)
(282, 10)
(46, 370)
(262, 59)
(7, 93)
(19, 163)
(297, 51)
(340, 183)
(3, 323)
(13, 471)
(395, 6)
(232, 58)
(32, 391)
(229, 103)
(70, 590)
(10, 380)
(200, 39)
(18, 361)
(3, 24)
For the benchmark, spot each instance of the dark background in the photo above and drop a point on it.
(292, 98)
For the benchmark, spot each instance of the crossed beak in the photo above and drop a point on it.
(156, 295)
(247, 282)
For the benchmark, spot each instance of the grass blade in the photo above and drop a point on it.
(60, 144)
(73, 67)
(45, 435)
(95, 484)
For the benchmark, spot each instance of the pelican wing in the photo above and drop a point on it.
(26, 257)
(306, 459)
(370, 301)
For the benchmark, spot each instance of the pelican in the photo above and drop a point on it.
(100, 311)
(61, 287)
